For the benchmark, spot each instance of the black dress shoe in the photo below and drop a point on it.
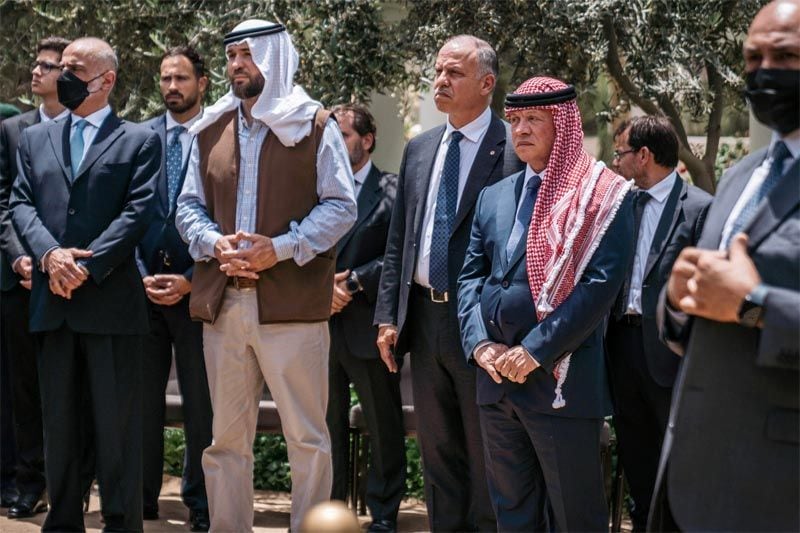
(8, 497)
(149, 513)
(198, 520)
(382, 526)
(28, 505)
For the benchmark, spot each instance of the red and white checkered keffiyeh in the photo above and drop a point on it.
(576, 203)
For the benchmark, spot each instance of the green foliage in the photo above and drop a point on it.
(728, 155)
(344, 45)
(271, 470)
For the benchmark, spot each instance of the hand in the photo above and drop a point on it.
(682, 271)
(65, 274)
(341, 296)
(259, 256)
(515, 364)
(720, 284)
(166, 289)
(23, 266)
(486, 356)
(387, 339)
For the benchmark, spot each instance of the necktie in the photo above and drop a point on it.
(523, 215)
(446, 200)
(640, 199)
(779, 155)
(76, 147)
(174, 162)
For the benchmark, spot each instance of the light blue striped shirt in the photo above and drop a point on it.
(320, 230)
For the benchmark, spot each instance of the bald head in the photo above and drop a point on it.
(93, 61)
(95, 51)
(773, 41)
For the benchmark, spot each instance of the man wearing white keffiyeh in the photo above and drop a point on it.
(547, 256)
(268, 194)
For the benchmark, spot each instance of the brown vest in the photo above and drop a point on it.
(287, 191)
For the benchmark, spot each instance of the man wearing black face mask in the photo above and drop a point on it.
(81, 202)
(732, 306)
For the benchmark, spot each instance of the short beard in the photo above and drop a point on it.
(249, 90)
(357, 155)
(181, 107)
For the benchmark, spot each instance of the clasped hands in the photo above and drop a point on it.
(64, 272)
(712, 283)
(245, 262)
(166, 289)
(24, 268)
(500, 361)
(341, 296)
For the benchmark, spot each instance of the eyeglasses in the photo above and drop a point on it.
(45, 66)
(618, 155)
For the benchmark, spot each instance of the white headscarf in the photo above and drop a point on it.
(284, 107)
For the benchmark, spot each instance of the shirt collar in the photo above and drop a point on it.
(660, 191)
(172, 123)
(361, 176)
(243, 123)
(475, 129)
(792, 143)
(95, 119)
(529, 173)
(44, 118)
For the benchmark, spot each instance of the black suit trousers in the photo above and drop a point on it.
(379, 393)
(20, 347)
(171, 326)
(641, 412)
(103, 372)
(456, 492)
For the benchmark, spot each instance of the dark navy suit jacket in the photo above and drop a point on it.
(105, 209)
(495, 303)
(162, 251)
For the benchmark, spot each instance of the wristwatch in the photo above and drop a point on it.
(352, 283)
(752, 308)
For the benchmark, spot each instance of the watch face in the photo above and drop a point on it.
(352, 286)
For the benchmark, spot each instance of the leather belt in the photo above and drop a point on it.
(631, 320)
(240, 283)
(432, 294)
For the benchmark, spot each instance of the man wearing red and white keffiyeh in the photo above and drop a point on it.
(548, 253)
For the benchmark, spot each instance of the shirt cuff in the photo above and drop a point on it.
(284, 246)
(480, 345)
(208, 241)
(16, 261)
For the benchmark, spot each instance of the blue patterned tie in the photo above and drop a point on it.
(779, 154)
(174, 162)
(446, 200)
(524, 215)
(76, 147)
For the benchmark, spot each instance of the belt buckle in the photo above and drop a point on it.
(236, 283)
(436, 300)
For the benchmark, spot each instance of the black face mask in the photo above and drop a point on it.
(774, 96)
(72, 90)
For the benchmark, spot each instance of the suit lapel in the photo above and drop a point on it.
(108, 133)
(506, 215)
(667, 224)
(368, 198)
(59, 139)
(724, 202)
(160, 127)
(488, 153)
(779, 202)
(423, 168)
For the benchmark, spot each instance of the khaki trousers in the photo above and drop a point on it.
(292, 358)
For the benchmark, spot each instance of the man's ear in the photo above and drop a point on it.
(487, 84)
(202, 83)
(368, 141)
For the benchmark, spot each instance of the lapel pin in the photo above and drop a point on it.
(491, 153)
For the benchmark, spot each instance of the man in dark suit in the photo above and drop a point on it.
(546, 258)
(731, 456)
(442, 172)
(81, 203)
(166, 268)
(15, 275)
(668, 216)
(354, 355)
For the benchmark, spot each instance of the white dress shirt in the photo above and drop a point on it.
(44, 117)
(361, 176)
(651, 216)
(94, 121)
(473, 136)
(185, 137)
(758, 177)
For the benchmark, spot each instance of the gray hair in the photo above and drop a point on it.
(487, 57)
(99, 51)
